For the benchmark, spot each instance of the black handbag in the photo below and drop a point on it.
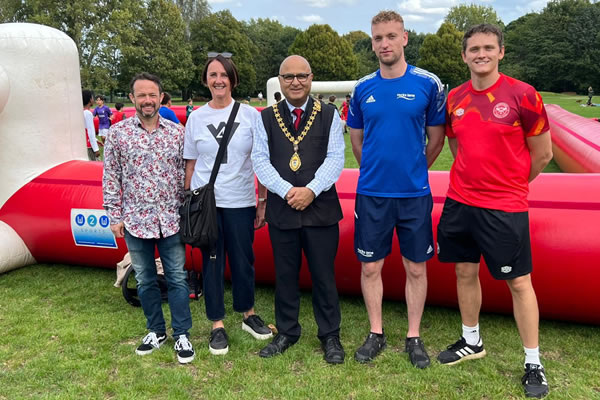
(198, 223)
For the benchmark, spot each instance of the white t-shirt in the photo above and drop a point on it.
(90, 130)
(234, 187)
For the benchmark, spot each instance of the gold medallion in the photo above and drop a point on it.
(295, 162)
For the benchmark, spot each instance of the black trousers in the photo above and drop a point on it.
(320, 247)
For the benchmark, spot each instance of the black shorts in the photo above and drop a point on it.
(465, 233)
(375, 219)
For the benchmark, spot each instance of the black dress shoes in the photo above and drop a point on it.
(279, 344)
(334, 352)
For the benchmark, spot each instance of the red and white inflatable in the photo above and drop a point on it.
(50, 198)
(575, 140)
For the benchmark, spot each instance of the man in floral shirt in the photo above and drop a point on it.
(143, 189)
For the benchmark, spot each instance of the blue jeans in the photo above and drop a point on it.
(236, 235)
(172, 255)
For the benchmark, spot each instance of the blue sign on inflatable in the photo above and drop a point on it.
(90, 228)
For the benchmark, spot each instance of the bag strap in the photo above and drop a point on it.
(224, 142)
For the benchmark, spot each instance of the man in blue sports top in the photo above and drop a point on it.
(396, 123)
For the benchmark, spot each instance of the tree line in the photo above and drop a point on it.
(557, 49)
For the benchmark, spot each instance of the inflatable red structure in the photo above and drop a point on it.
(575, 140)
(565, 233)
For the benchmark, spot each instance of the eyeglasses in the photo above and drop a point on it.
(289, 78)
(213, 54)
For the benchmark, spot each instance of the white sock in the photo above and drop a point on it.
(471, 334)
(532, 356)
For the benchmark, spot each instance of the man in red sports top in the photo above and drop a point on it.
(498, 132)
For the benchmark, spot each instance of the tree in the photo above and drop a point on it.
(361, 47)
(557, 49)
(273, 41)
(411, 51)
(441, 54)
(13, 11)
(355, 36)
(192, 10)
(330, 56)
(464, 16)
(159, 48)
(367, 60)
(221, 32)
(88, 24)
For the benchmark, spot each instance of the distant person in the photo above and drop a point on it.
(344, 112)
(590, 95)
(104, 115)
(320, 97)
(118, 115)
(499, 135)
(189, 108)
(88, 117)
(260, 98)
(277, 96)
(332, 101)
(396, 123)
(165, 111)
(142, 189)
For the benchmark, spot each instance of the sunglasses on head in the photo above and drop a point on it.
(213, 54)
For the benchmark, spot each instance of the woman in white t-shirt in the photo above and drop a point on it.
(237, 209)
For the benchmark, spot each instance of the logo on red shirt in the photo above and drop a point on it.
(501, 110)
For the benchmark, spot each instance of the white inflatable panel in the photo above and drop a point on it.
(14, 253)
(41, 113)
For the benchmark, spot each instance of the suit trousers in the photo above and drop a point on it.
(320, 247)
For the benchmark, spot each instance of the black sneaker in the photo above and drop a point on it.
(416, 352)
(333, 351)
(534, 381)
(461, 351)
(372, 346)
(184, 349)
(255, 326)
(150, 342)
(218, 344)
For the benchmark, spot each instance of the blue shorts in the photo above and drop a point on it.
(375, 219)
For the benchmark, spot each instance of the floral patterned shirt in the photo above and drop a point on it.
(143, 177)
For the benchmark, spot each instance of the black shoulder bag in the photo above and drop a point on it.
(198, 223)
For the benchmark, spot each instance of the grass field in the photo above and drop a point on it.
(68, 334)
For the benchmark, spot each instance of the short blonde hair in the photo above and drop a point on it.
(387, 16)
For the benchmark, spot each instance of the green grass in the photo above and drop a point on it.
(68, 334)
(573, 103)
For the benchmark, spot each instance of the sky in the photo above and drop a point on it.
(344, 16)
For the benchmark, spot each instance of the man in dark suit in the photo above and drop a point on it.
(298, 155)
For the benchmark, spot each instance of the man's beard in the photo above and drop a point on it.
(146, 115)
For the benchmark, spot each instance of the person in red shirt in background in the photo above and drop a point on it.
(344, 112)
(118, 115)
(498, 132)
